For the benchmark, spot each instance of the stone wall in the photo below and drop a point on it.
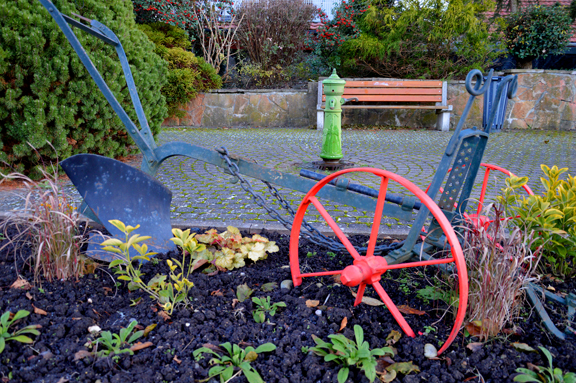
(545, 100)
(270, 108)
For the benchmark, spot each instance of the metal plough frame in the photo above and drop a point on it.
(460, 162)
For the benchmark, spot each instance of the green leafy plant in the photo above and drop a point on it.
(552, 215)
(47, 96)
(229, 250)
(537, 31)
(545, 374)
(18, 335)
(347, 353)
(50, 224)
(115, 343)
(236, 358)
(263, 306)
(170, 291)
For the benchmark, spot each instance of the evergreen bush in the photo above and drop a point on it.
(420, 39)
(47, 95)
(187, 74)
(537, 31)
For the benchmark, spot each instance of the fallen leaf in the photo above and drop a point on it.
(403, 367)
(29, 296)
(388, 376)
(336, 279)
(62, 380)
(343, 324)
(474, 329)
(199, 263)
(522, 347)
(213, 347)
(164, 315)
(39, 311)
(369, 301)
(269, 286)
(217, 293)
(550, 288)
(312, 303)
(382, 363)
(21, 283)
(81, 355)
(516, 330)
(243, 292)
(250, 357)
(175, 359)
(393, 337)
(154, 309)
(107, 290)
(470, 378)
(141, 346)
(404, 309)
(234, 302)
(475, 346)
(448, 361)
(149, 328)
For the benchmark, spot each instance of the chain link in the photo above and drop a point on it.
(309, 232)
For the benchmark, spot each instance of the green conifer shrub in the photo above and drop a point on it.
(420, 39)
(47, 95)
(188, 74)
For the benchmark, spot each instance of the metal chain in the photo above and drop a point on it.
(309, 232)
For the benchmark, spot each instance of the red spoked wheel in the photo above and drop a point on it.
(477, 219)
(368, 269)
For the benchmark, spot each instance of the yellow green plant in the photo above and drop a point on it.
(552, 215)
(169, 291)
(229, 250)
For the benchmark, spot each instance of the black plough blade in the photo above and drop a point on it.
(114, 190)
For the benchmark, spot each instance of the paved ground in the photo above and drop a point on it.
(204, 196)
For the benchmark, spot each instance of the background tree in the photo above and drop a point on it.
(421, 39)
(187, 74)
(46, 94)
(537, 31)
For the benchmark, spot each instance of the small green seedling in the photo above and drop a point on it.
(331, 254)
(238, 359)
(113, 343)
(347, 353)
(310, 254)
(263, 306)
(18, 336)
(543, 374)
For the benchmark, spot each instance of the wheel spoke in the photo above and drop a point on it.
(483, 190)
(360, 294)
(394, 310)
(334, 226)
(420, 263)
(377, 217)
(321, 273)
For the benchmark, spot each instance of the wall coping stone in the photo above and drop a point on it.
(531, 71)
(248, 91)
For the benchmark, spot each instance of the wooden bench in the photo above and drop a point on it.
(394, 94)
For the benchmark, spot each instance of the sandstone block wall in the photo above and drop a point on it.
(545, 100)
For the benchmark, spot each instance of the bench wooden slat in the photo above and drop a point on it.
(424, 107)
(416, 91)
(394, 84)
(396, 98)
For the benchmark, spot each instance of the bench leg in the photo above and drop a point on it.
(320, 119)
(443, 121)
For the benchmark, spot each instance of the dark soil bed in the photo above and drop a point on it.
(72, 307)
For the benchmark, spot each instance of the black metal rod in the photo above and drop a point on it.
(395, 199)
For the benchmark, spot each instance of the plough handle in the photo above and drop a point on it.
(143, 138)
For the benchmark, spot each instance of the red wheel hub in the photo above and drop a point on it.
(366, 270)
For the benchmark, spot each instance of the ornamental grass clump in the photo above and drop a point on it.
(500, 263)
(51, 226)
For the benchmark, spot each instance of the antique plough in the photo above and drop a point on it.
(113, 190)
